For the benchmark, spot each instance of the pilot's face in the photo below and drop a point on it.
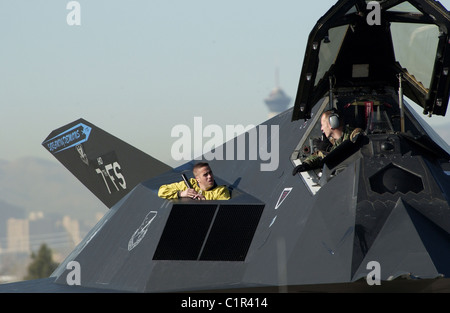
(326, 127)
(204, 177)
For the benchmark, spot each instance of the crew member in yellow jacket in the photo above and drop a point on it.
(203, 185)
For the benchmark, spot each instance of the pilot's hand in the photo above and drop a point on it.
(301, 168)
(356, 137)
(322, 144)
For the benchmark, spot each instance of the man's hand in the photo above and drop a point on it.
(301, 168)
(199, 196)
(191, 193)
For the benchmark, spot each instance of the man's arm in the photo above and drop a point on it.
(312, 162)
(179, 190)
(170, 191)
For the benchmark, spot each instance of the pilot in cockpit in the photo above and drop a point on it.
(334, 130)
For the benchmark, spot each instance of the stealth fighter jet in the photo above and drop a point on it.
(375, 215)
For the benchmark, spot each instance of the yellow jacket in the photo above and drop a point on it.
(171, 191)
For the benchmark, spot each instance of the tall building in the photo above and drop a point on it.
(277, 102)
(18, 235)
(73, 229)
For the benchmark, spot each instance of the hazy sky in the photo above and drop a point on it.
(138, 68)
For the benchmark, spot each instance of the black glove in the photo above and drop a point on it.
(301, 168)
(322, 144)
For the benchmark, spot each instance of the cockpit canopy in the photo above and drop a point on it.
(375, 44)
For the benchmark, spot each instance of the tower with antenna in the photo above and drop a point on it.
(277, 102)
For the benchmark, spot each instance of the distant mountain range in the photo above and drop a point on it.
(33, 184)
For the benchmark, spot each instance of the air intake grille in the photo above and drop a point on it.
(394, 179)
(208, 232)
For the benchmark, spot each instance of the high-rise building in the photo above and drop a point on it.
(72, 227)
(18, 235)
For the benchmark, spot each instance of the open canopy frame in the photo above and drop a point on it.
(359, 44)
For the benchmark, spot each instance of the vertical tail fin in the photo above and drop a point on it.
(106, 165)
